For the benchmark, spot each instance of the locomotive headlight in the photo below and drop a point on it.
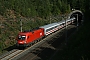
(20, 42)
(24, 41)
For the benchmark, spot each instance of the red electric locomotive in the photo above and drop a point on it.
(27, 37)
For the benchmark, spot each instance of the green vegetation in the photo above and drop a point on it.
(32, 8)
(34, 13)
(10, 28)
(78, 44)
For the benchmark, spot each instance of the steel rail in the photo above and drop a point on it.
(10, 54)
(15, 53)
(40, 51)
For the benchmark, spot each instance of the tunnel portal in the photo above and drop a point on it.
(78, 15)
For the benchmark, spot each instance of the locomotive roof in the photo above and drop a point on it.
(49, 25)
(24, 33)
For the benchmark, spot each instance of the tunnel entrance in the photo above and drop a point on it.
(78, 15)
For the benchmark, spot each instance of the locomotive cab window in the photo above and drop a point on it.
(21, 37)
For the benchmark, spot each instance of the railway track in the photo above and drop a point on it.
(39, 50)
(16, 53)
(10, 54)
(44, 50)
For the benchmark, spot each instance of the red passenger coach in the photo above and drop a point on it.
(27, 37)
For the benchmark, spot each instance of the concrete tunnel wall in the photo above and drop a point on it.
(78, 15)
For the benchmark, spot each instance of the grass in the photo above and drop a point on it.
(78, 47)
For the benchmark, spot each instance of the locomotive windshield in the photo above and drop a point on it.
(21, 37)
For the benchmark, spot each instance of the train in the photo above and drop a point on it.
(27, 38)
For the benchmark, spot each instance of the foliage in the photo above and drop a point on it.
(37, 13)
(31, 8)
(82, 5)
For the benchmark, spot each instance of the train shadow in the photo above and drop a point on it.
(10, 48)
(44, 53)
(14, 47)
